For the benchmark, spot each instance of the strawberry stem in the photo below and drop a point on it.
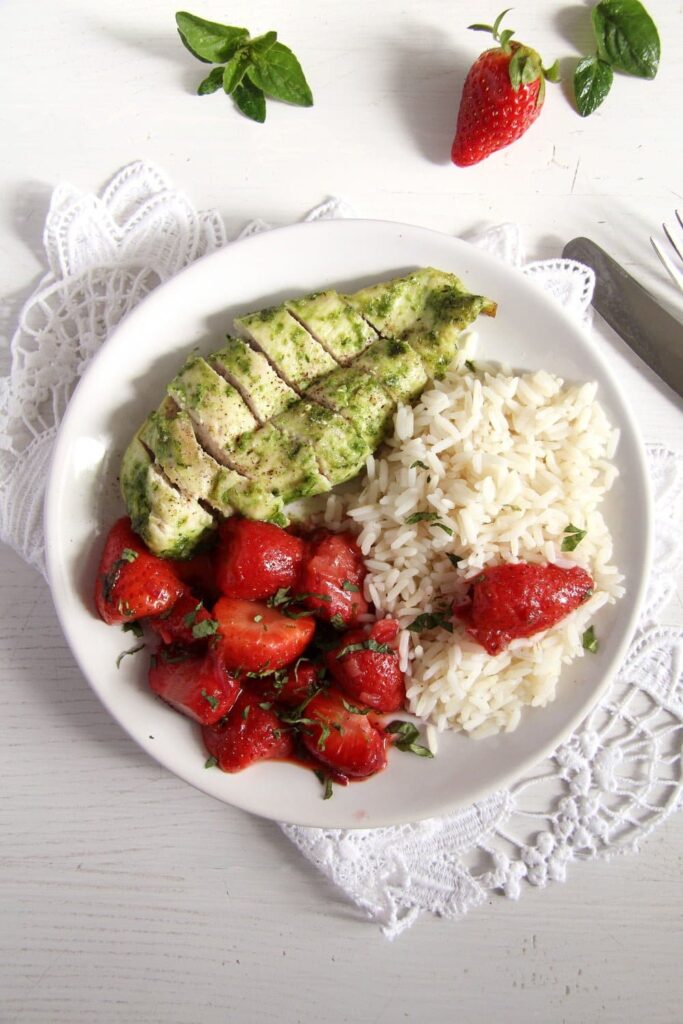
(502, 38)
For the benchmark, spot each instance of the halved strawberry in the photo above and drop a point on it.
(131, 583)
(251, 732)
(255, 638)
(188, 621)
(289, 686)
(254, 560)
(520, 599)
(196, 685)
(366, 667)
(334, 569)
(342, 736)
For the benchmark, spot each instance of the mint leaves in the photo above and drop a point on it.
(251, 68)
(627, 40)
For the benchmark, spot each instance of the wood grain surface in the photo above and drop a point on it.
(126, 895)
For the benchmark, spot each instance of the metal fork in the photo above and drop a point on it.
(675, 238)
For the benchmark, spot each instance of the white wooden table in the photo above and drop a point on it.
(127, 896)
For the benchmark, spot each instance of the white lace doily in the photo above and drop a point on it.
(617, 777)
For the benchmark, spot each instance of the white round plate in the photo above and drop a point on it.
(127, 379)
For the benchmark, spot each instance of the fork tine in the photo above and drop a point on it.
(673, 272)
(674, 243)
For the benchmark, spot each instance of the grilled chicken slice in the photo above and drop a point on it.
(216, 407)
(334, 323)
(428, 308)
(298, 358)
(168, 433)
(281, 465)
(397, 367)
(360, 399)
(249, 371)
(339, 448)
(170, 523)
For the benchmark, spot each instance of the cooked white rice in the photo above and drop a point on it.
(509, 463)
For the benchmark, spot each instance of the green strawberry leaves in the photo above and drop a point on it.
(627, 40)
(251, 68)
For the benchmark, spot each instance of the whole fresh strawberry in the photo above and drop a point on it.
(502, 96)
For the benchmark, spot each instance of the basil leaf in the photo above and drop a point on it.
(592, 81)
(572, 539)
(260, 44)
(627, 37)
(421, 517)
(430, 620)
(207, 627)
(212, 82)
(590, 641)
(131, 650)
(209, 41)
(235, 69)
(278, 73)
(133, 627)
(407, 734)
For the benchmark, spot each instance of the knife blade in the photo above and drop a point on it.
(652, 333)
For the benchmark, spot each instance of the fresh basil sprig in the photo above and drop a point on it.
(250, 70)
(627, 40)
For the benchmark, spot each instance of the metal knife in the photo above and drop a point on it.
(652, 333)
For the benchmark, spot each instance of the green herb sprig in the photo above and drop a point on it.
(250, 68)
(627, 40)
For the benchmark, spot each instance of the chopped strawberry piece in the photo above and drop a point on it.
(365, 667)
(131, 583)
(188, 621)
(249, 733)
(255, 638)
(289, 686)
(254, 560)
(332, 578)
(520, 599)
(343, 739)
(196, 685)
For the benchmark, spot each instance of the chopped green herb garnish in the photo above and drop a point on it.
(131, 650)
(573, 537)
(455, 560)
(245, 712)
(470, 366)
(266, 705)
(128, 555)
(281, 596)
(418, 463)
(349, 587)
(210, 699)
(191, 617)
(407, 733)
(590, 641)
(430, 620)
(337, 621)
(421, 517)
(325, 781)
(446, 529)
(132, 627)
(366, 645)
(356, 710)
(206, 628)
